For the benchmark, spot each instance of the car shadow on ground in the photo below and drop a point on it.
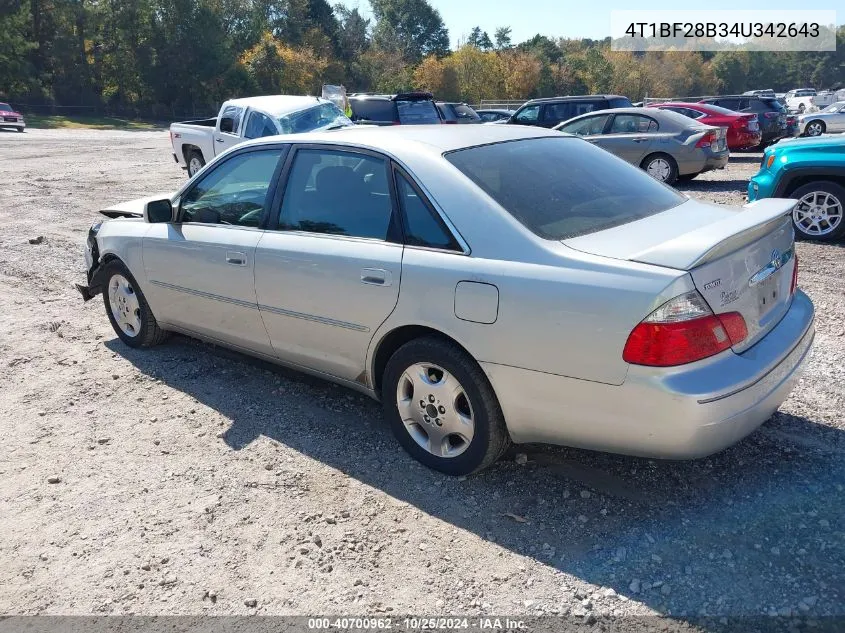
(745, 158)
(710, 186)
(753, 529)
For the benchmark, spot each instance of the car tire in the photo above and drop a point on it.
(431, 386)
(815, 128)
(820, 212)
(661, 167)
(21, 130)
(127, 308)
(195, 162)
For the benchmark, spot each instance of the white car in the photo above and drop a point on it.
(799, 99)
(196, 142)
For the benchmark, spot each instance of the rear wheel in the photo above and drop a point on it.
(820, 212)
(441, 407)
(128, 310)
(21, 130)
(195, 162)
(661, 167)
(815, 128)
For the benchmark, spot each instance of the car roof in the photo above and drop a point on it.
(574, 98)
(404, 140)
(277, 105)
(679, 121)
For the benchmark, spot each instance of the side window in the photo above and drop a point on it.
(230, 119)
(557, 112)
(632, 124)
(259, 125)
(338, 193)
(422, 226)
(529, 114)
(586, 127)
(234, 193)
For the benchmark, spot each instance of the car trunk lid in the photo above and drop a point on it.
(741, 260)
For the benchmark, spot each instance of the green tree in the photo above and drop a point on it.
(15, 69)
(503, 37)
(479, 39)
(411, 27)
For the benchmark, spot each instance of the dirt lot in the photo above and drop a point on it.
(192, 480)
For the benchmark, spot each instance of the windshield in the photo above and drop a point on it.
(5, 107)
(833, 107)
(463, 111)
(563, 187)
(325, 115)
(417, 112)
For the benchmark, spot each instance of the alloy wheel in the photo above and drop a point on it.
(817, 213)
(124, 305)
(435, 410)
(815, 129)
(194, 165)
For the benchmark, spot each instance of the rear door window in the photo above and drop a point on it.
(373, 110)
(632, 124)
(230, 119)
(337, 193)
(417, 112)
(423, 227)
(563, 187)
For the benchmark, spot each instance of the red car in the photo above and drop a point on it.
(743, 128)
(10, 118)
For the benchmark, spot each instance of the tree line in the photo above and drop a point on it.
(160, 58)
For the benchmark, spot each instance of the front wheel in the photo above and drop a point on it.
(128, 310)
(815, 128)
(820, 212)
(441, 407)
(661, 167)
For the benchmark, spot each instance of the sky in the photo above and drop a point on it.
(564, 18)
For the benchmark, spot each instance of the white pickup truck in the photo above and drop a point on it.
(803, 99)
(195, 143)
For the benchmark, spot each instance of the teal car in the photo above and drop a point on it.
(812, 171)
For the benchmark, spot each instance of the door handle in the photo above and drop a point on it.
(376, 277)
(639, 140)
(236, 259)
(219, 140)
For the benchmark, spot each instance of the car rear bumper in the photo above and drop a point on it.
(674, 413)
(744, 140)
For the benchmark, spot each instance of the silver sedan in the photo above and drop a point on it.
(488, 284)
(667, 145)
(831, 119)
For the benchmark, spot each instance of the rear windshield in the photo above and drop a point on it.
(463, 111)
(373, 110)
(774, 104)
(564, 187)
(720, 110)
(417, 112)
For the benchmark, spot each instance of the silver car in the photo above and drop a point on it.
(667, 145)
(831, 119)
(488, 283)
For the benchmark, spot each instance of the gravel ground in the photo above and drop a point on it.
(190, 480)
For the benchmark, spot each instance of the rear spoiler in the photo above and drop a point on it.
(725, 236)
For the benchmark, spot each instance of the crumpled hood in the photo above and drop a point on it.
(133, 208)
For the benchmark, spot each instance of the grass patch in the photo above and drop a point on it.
(51, 122)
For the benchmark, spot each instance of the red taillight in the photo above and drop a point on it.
(771, 115)
(681, 331)
(708, 139)
(794, 285)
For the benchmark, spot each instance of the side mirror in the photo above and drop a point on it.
(158, 211)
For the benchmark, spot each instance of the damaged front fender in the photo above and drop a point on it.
(96, 281)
